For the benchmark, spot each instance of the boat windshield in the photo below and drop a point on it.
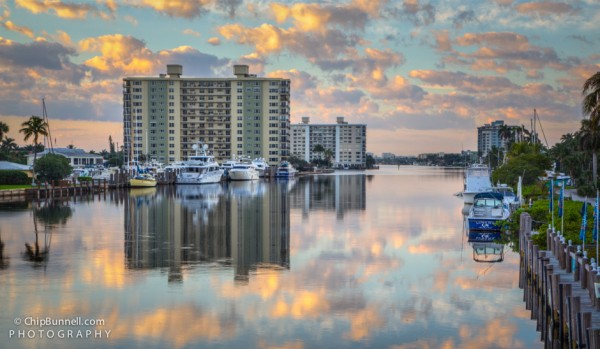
(488, 202)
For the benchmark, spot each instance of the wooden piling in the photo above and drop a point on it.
(559, 289)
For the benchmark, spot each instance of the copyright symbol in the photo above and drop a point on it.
(17, 321)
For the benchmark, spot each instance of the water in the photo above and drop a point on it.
(374, 259)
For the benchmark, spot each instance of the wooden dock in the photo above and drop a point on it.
(64, 188)
(561, 288)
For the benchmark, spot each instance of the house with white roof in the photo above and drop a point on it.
(77, 157)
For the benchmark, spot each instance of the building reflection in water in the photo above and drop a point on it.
(243, 225)
(331, 193)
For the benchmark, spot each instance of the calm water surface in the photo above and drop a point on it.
(373, 259)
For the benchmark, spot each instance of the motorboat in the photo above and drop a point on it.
(142, 180)
(488, 210)
(261, 166)
(285, 170)
(228, 165)
(243, 172)
(477, 180)
(200, 168)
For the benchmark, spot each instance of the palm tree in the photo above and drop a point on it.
(505, 133)
(328, 153)
(34, 127)
(590, 140)
(591, 127)
(8, 144)
(318, 150)
(591, 100)
(3, 129)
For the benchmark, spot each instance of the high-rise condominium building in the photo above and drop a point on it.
(497, 134)
(347, 142)
(165, 116)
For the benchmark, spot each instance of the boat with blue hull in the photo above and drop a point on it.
(487, 212)
(484, 235)
(285, 170)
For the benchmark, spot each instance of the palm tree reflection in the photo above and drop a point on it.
(51, 213)
(3, 261)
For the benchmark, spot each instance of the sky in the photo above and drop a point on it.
(422, 75)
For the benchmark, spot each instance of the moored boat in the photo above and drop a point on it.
(142, 180)
(261, 166)
(487, 212)
(243, 172)
(200, 168)
(285, 170)
(477, 180)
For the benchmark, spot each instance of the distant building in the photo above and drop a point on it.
(489, 135)
(165, 116)
(388, 156)
(347, 142)
(77, 157)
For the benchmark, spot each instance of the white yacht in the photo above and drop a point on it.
(228, 165)
(200, 168)
(477, 180)
(261, 166)
(243, 172)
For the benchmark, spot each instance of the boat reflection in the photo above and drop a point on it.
(237, 226)
(488, 252)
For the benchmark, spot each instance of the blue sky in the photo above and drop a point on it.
(421, 74)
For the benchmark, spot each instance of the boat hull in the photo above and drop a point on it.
(199, 178)
(489, 224)
(142, 183)
(243, 175)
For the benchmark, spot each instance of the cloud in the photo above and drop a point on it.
(545, 8)
(59, 8)
(301, 80)
(40, 53)
(9, 25)
(122, 55)
(463, 82)
(418, 13)
(188, 9)
(191, 32)
(499, 51)
(119, 54)
(324, 34)
(215, 41)
(315, 17)
(176, 8)
(464, 17)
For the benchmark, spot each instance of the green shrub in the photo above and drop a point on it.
(14, 177)
(82, 179)
(52, 167)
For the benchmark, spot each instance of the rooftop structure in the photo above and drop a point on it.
(77, 157)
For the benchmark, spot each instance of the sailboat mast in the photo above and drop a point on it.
(45, 118)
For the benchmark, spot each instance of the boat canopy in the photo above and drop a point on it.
(489, 195)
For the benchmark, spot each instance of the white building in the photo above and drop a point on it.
(77, 157)
(166, 115)
(347, 142)
(489, 135)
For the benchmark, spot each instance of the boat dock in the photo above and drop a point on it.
(561, 288)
